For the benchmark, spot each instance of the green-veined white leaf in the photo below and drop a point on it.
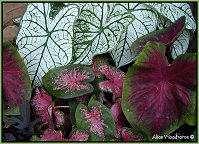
(145, 22)
(174, 11)
(181, 45)
(98, 29)
(45, 43)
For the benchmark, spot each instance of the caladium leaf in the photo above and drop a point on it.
(96, 119)
(157, 97)
(174, 11)
(52, 135)
(166, 36)
(45, 43)
(79, 136)
(69, 81)
(41, 104)
(16, 82)
(59, 118)
(181, 44)
(128, 134)
(115, 82)
(145, 22)
(120, 120)
(97, 30)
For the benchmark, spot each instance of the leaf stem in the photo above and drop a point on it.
(62, 106)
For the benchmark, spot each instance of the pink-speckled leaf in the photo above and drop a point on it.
(41, 104)
(128, 134)
(115, 82)
(158, 96)
(165, 36)
(69, 81)
(16, 82)
(52, 135)
(120, 120)
(96, 119)
(79, 136)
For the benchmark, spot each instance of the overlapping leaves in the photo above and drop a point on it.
(157, 96)
(45, 43)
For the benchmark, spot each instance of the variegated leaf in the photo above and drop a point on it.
(145, 22)
(174, 11)
(98, 29)
(43, 42)
(181, 45)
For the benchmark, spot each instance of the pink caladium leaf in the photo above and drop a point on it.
(59, 118)
(52, 135)
(79, 136)
(16, 82)
(98, 61)
(96, 119)
(69, 81)
(165, 36)
(115, 83)
(41, 104)
(120, 120)
(128, 134)
(158, 96)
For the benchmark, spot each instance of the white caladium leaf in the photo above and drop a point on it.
(181, 45)
(98, 29)
(174, 11)
(145, 22)
(45, 42)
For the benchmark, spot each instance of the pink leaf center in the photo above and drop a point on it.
(96, 123)
(71, 81)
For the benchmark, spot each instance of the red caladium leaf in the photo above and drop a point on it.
(165, 36)
(158, 96)
(79, 136)
(115, 82)
(97, 119)
(69, 81)
(129, 135)
(52, 135)
(120, 120)
(16, 82)
(41, 103)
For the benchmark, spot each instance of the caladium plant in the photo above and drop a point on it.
(45, 42)
(166, 36)
(96, 119)
(69, 81)
(158, 96)
(115, 82)
(16, 82)
(41, 104)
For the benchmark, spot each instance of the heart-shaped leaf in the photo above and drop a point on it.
(174, 11)
(97, 119)
(45, 43)
(166, 36)
(115, 82)
(16, 82)
(69, 81)
(145, 22)
(97, 30)
(52, 135)
(157, 97)
(41, 104)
